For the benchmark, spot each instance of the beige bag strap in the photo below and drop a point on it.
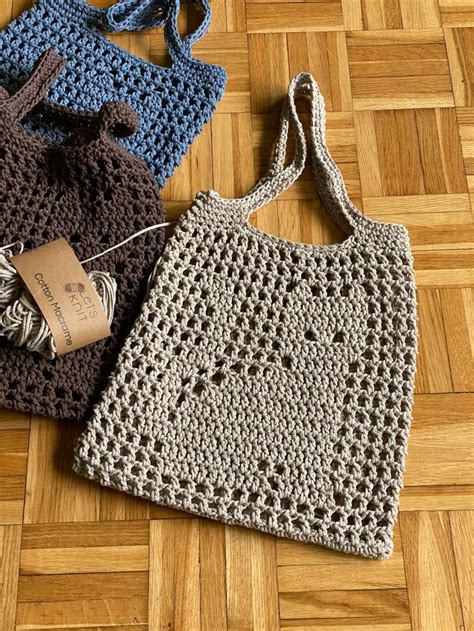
(328, 178)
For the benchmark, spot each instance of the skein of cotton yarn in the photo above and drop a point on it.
(22, 322)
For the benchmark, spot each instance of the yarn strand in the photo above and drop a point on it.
(130, 238)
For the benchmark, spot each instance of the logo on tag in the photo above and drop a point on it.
(82, 301)
(73, 287)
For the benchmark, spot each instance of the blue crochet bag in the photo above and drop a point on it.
(173, 103)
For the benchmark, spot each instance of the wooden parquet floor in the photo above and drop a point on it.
(398, 78)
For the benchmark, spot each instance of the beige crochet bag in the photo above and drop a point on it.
(269, 383)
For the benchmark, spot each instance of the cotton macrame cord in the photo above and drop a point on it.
(22, 322)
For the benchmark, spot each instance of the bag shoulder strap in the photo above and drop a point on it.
(328, 178)
(45, 71)
(172, 36)
(114, 117)
(139, 15)
(280, 177)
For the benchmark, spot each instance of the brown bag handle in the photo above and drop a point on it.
(115, 118)
(47, 68)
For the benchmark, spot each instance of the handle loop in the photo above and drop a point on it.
(278, 177)
(139, 15)
(45, 71)
(172, 35)
(328, 178)
(118, 119)
(134, 15)
(114, 117)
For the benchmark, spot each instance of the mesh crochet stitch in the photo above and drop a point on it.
(92, 192)
(269, 383)
(173, 103)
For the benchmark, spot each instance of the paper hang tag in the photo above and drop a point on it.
(64, 294)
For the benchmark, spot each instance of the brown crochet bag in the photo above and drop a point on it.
(95, 194)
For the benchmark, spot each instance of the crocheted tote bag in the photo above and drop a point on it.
(95, 194)
(268, 383)
(173, 103)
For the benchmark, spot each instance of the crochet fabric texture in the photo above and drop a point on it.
(173, 103)
(268, 383)
(93, 193)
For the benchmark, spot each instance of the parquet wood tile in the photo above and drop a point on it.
(462, 532)
(456, 13)
(460, 44)
(441, 440)
(430, 165)
(53, 493)
(390, 14)
(174, 575)
(286, 17)
(430, 569)
(440, 498)
(411, 69)
(388, 604)
(398, 79)
(465, 117)
(330, 577)
(457, 307)
(10, 541)
(14, 437)
(433, 370)
(212, 554)
(347, 624)
(109, 612)
(252, 594)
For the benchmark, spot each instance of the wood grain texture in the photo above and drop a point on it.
(174, 597)
(398, 80)
(431, 572)
(411, 69)
(462, 532)
(10, 541)
(460, 44)
(53, 492)
(456, 13)
(252, 596)
(390, 14)
(14, 440)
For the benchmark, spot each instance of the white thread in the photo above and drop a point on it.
(11, 245)
(133, 236)
(22, 322)
(96, 256)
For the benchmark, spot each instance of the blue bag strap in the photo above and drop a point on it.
(139, 15)
(47, 68)
(135, 15)
(173, 38)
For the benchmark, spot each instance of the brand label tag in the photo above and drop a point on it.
(64, 294)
